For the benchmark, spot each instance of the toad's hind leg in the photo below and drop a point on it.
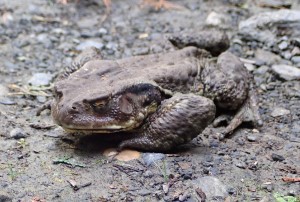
(247, 113)
(177, 121)
(230, 85)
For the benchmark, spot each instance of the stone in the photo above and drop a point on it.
(87, 22)
(17, 133)
(102, 31)
(11, 67)
(41, 79)
(277, 157)
(286, 55)
(296, 59)
(6, 101)
(3, 91)
(148, 174)
(4, 198)
(250, 67)
(296, 42)
(251, 138)
(144, 192)
(111, 46)
(262, 27)
(140, 51)
(211, 186)
(151, 158)
(44, 39)
(89, 43)
(215, 19)
(41, 99)
(262, 70)
(241, 165)
(266, 57)
(283, 45)
(295, 51)
(275, 3)
(286, 72)
(279, 111)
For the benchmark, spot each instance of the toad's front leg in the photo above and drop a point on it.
(177, 121)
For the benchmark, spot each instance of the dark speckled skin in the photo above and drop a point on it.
(163, 100)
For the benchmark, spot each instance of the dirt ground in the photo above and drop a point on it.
(39, 162)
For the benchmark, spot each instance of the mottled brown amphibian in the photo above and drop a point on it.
(160, 100)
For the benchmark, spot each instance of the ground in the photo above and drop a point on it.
(39, 162)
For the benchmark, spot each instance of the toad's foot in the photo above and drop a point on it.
(42, 108)
(247, 113)
(178, 120)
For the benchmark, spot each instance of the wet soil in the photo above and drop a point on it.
(39, 162)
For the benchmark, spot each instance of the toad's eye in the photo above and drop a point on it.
(99, 104)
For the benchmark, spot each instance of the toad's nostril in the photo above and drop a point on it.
(74, 108)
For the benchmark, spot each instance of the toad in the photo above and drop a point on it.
(156, 101)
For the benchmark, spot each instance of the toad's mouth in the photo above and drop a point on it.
(108, 128)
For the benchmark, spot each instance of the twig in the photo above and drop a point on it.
(27, 90)
(77, 187)
(41, 126)
(67, 162)
(291, 179)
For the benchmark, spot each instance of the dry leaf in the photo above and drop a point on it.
(128, 155)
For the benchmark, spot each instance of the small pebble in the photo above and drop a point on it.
(40, 79)
(4, 198)
(283, 45)
(148, 174)
(111, 46)
(41, 99)
(292, 193)
(6, 101)
(187, 175)
(268, 187)
(214, 143)
(231, 191)
(241, 165)
(251, 138)
(89, 43)
(215, 19)
(151, 158)
(295, 51)
(279, 111)
(140, 51)
(17, 133)
(277, 157)
(250, 67)
(240, 141)
(287, 72)
(144, 192)
(102, 31)
(296, 59)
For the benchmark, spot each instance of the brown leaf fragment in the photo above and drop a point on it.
(128, 155)
(159, 4)
(291, 179)
(184, 165)
(201, 194)
(37, 199)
